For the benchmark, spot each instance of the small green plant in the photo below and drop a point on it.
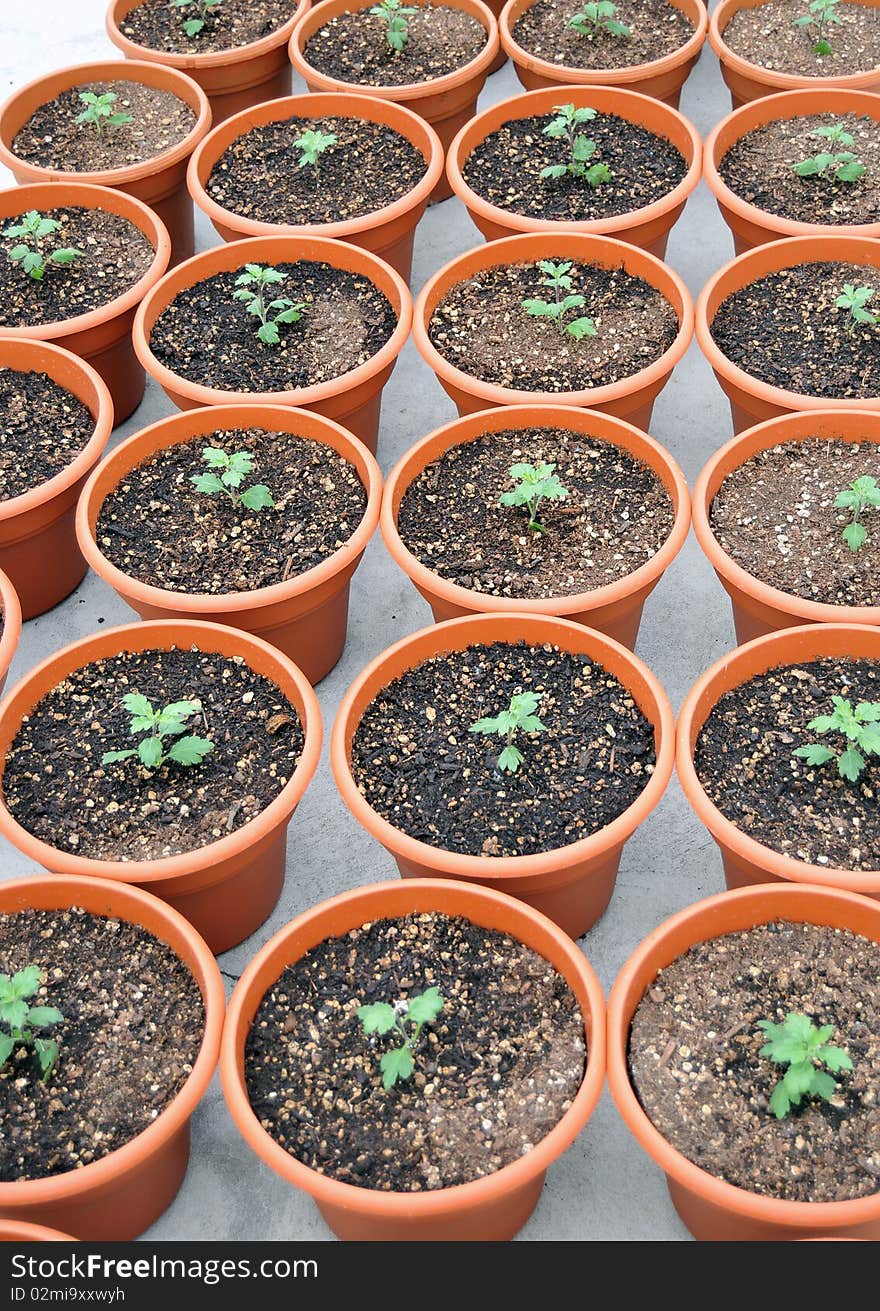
(203, 11)
(858, 728)
(803, 1048)
(99, 111)
(860, 494)
(832, 165)
(534, 483)
(556, 276)
(18, 1019)
(253, 286)
(596, 17)
(29, 233)
(394, 15)
(169, 722)
(519, 717)
(311, 146)
(821, 15)
(855, 299)
(406, 1020)
(581, 148)
(226, 476)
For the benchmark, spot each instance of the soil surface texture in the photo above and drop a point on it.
(42, 430)
(353, 47)
(656, 28)
(156, 24)
(769, 37)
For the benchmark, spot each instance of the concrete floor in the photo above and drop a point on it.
(605, 1187)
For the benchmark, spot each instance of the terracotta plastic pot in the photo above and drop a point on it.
(745, 860)
(753, 401)
(10, 1232)
(752, 226)
(159, 182)
(10, 609)
(747, 81)
(488, 1209)
(447, 102)
(632, 398)
(648, 227)
(232, 79)
(571, 884)
(615, 609)
(305, 617)
(38, 546)
(500, 59)
(661, 78)
(712, 1209)
(229, 887)
(353, 399)
(103, 336)
(387, 232)
(121, 1195)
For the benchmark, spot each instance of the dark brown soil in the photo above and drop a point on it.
(417, 764)
(694, 1060)
(480, 327)
(133, 1025)
(207, 336)
(52, 137)
(234, 23)
(505, 169)
(656, 29)
(157, 528)
(759, 169)
(42, 430)
(616, 516)
(353, 47)
(775, 516)
(494, 1072)
(744, 760)
(56, 787)
(369, 167)
(115, 256)
(769, 37)
(786, 330)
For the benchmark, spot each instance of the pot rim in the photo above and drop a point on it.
(10, 607)
(119, 9)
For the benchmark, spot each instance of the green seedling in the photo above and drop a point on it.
(169, 722)
(559, 309)
(803, 1048)
(226, 476)
(394, 15)
(822, 14)
(253, 286)
(597, 17)
(581, 148)
(29, 233)
(406, 1021)
(519, 717)
(855, 299)
(99, 111)
(18, 1019)
(311, 146)
(859, 729)
(534, 483)
(858, 497)
(203, 11)
(832, 165)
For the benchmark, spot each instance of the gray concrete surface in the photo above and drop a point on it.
(605, 1187)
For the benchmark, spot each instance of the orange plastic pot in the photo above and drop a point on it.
(447, 102)
(488, 1209)
(231, 79)
(747, 81)
(353, 399)
(121, 1195)
(103, 336)
(632, 398)
(38, 547)
(712, 1209)
(387, 232)
(648, 227)
(745, 860)
(615, 609)
(10, 609)
(572, 884)
(305, 617)
(159, 182)
(662, 79)
(229, 887)
(10, 1232)
(753, 401)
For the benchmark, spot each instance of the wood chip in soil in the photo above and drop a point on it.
(133, 1025)
(56, 787)
(208, 337)
(416, 762)
(159, 26)
(616, 516)
(481, 328)
(694, 1060)
(656, 29)
(744, 760)
(43, 428)
(353, 47)
(494, 1072)
(116, 255)
(370, 166)
(786, 330)
(156, 527)
(767, 35)
(775, 516)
